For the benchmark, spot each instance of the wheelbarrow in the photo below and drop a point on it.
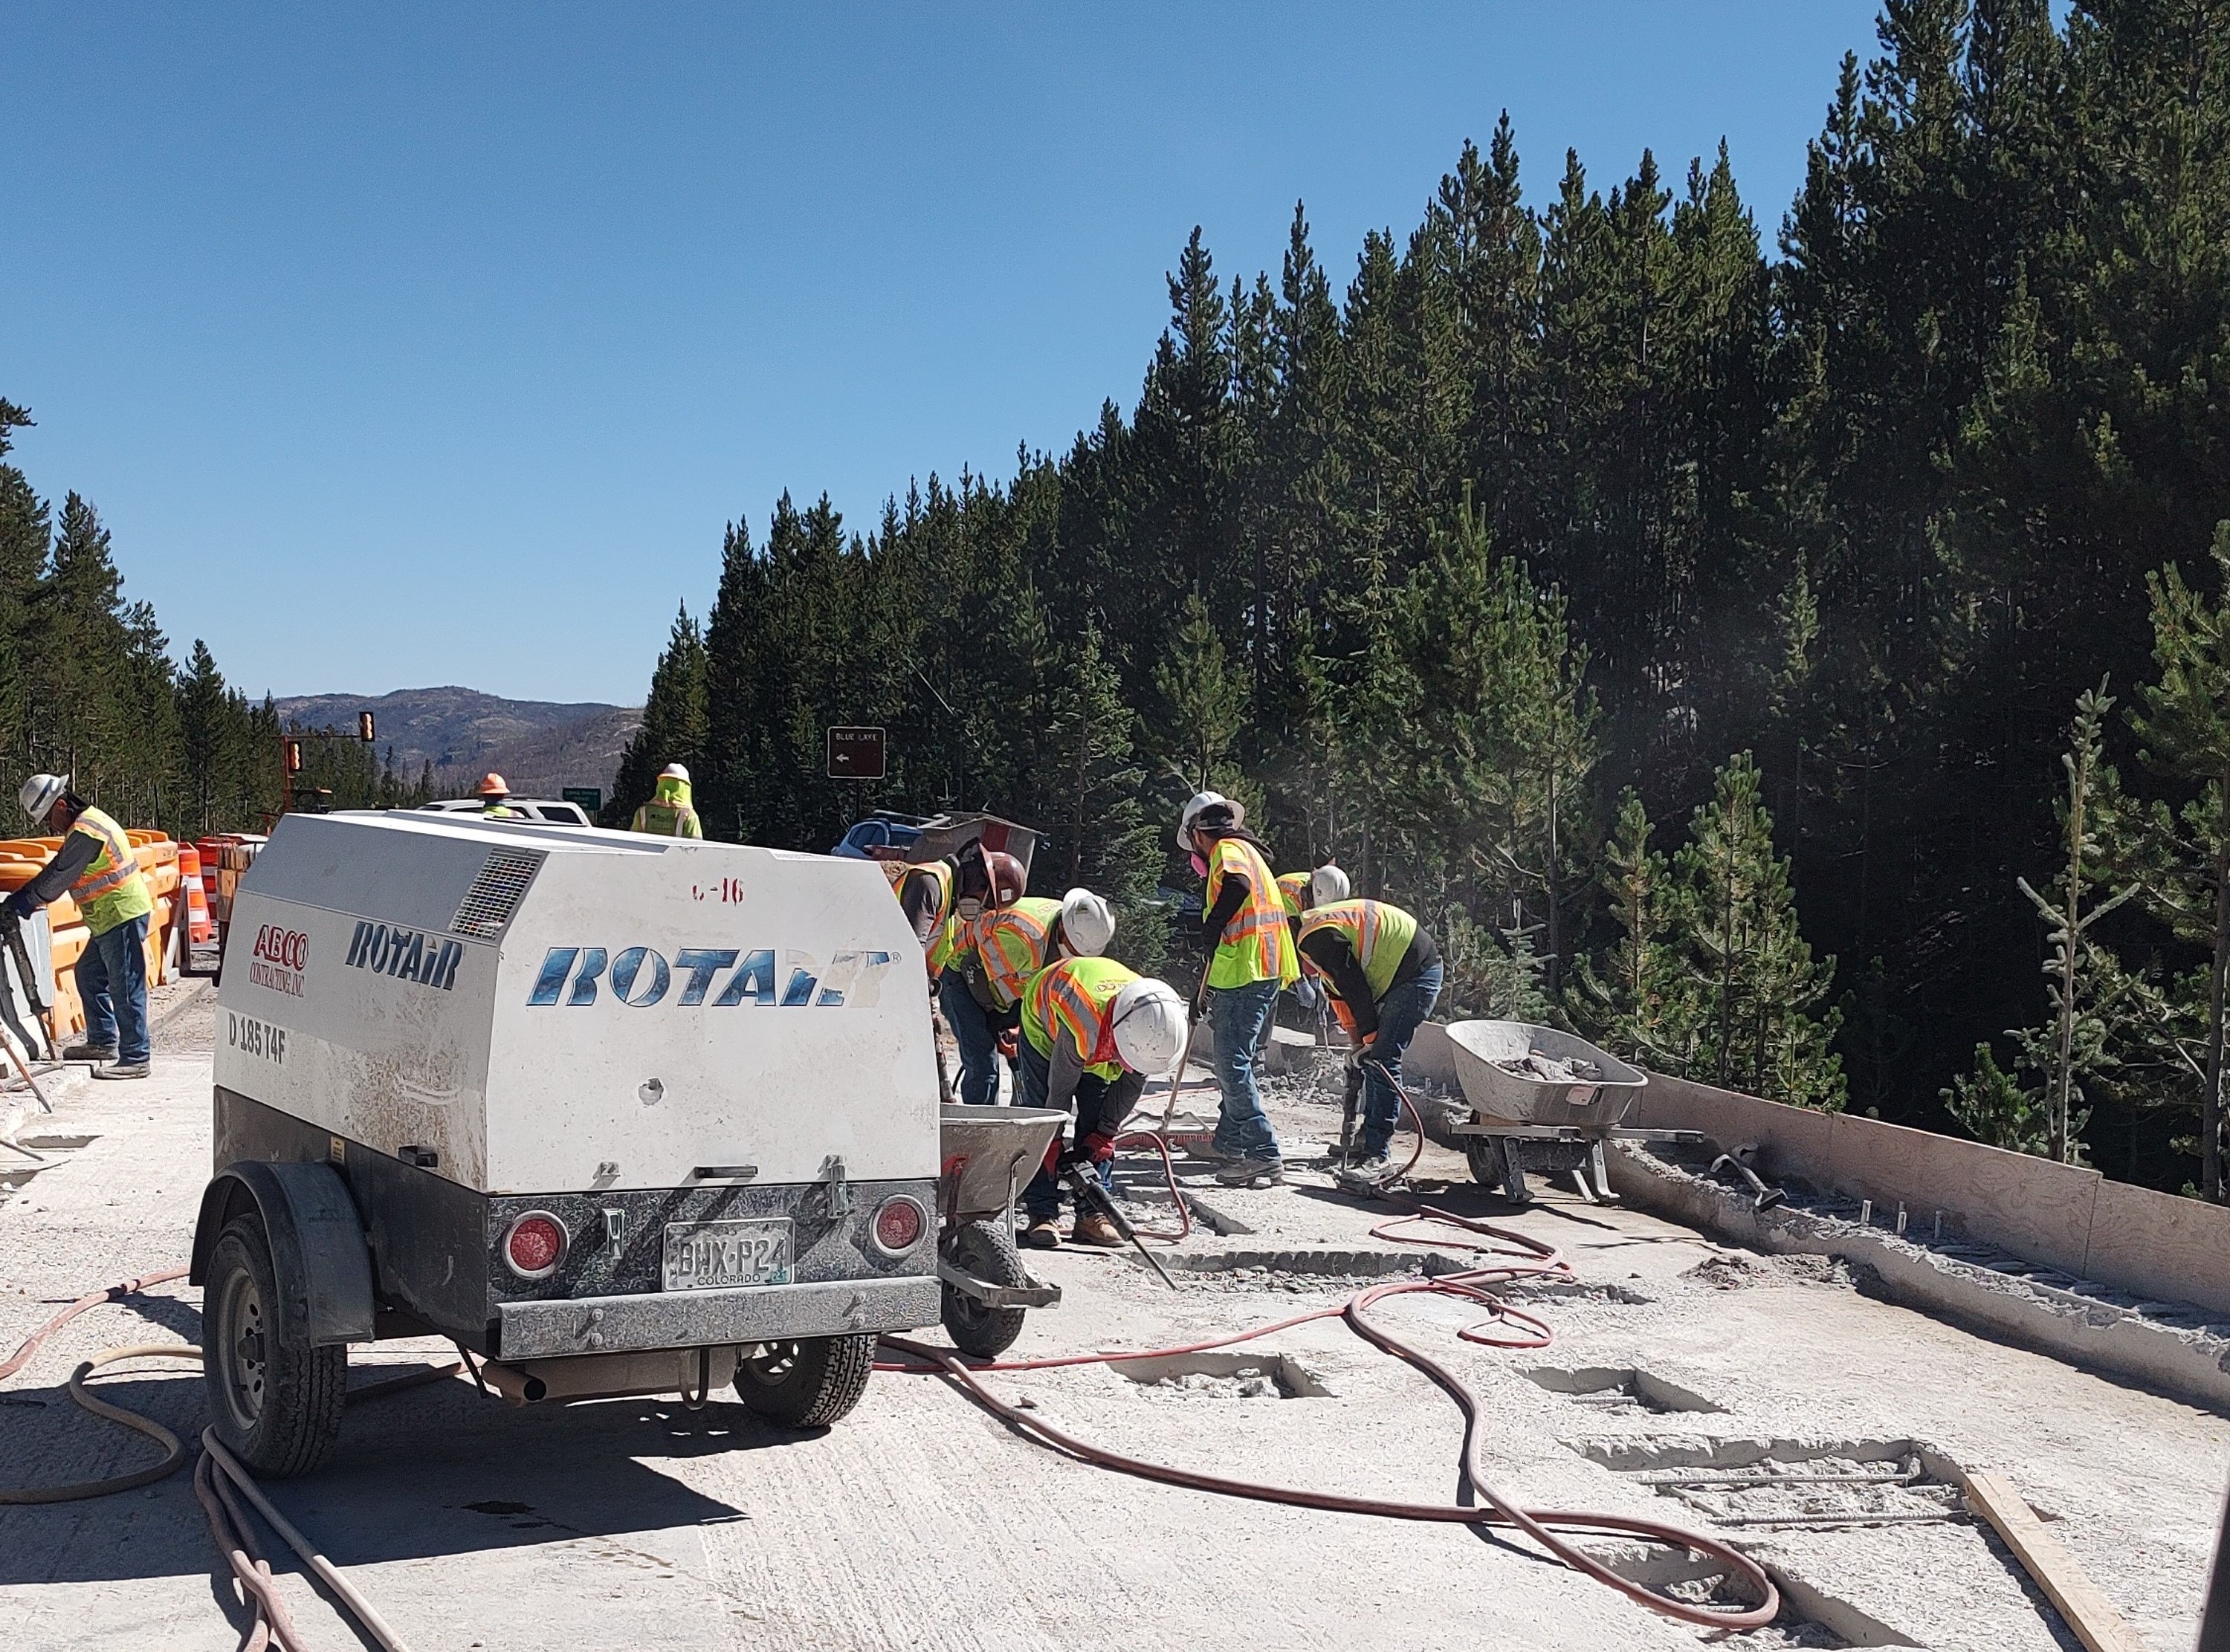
(1546, 1102)
(985, 1155)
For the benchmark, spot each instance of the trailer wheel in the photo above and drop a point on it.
(275, 1400)
(810, 1382)
(985, 1250)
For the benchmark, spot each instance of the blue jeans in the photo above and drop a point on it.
(1043, 1195)
(1236, 1016)
(971, 1022)
(112, 983)
(1401, 1012)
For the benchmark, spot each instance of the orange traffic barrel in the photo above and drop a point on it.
(200, 926)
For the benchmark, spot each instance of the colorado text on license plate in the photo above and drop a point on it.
(701, 1255)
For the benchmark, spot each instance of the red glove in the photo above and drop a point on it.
(1097, 1147)
(1010, 1044)
(1053, 1156)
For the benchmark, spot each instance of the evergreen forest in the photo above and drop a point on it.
(1797, 656)
(1719, 636)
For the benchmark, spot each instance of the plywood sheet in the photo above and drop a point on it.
(2036, 1209)
(1794, 1139)
(2175, 1250)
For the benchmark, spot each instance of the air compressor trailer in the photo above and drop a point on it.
(615, 1114)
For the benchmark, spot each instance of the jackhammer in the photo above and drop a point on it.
(1083, 1179)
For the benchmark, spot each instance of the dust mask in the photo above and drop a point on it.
(1198, 866)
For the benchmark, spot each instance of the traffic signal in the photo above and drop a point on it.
(363, 727)
(293, 756)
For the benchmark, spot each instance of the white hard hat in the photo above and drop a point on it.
(1087, 922)
(1200, 801)
(1150, 1026)
(40, 794)
(1328, 883)
(674, 771)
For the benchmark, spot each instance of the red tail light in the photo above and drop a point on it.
(534, 1245)
(899, 1223)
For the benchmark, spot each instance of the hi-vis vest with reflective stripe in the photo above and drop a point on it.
(1255, 945)
(111, 890)
(1377, 934)
(1294, 888)
(1012, 941)
(944, 938)
(1075, 1000)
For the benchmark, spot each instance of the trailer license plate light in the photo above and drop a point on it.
(711, 1256)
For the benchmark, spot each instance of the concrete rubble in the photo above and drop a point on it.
(1692, 1378)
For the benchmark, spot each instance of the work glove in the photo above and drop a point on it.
(1099, 1147)
(20, 906)
(1010, 1045)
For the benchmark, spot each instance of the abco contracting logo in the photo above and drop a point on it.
(638, 978)
(278, 959)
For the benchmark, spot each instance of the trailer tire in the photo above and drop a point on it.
(275, 1400)
(806, 1382)
(986, 1250)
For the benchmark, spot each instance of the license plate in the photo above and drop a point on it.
(708, 1256)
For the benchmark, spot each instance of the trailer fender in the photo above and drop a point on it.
(318, 1248)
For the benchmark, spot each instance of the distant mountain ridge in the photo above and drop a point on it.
(538, 746)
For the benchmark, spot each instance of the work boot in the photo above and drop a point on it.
(121, 1070)
(94, 1052)
(1370, 1167)
(1208, 1151)
(1042, 1234)
(1092, 1227)
(1251, 1172)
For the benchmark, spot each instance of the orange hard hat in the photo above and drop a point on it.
(492, 785)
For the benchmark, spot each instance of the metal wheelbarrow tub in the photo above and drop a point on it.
(1501, 1097)
(985, 1154)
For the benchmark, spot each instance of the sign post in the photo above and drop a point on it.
(855, 754)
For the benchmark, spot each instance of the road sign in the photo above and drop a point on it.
(590, 798)
(855, 754)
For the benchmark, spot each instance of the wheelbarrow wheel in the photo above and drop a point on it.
(1492, 1167)
(986, 1251)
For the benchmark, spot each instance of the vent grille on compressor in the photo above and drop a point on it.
(495, 894)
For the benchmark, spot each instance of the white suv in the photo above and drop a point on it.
(527, 808)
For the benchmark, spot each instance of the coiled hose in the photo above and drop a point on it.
(219, 1480)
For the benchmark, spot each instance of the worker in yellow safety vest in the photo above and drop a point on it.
(1243, 919)
(1001, 950)
(495, 799)
(1382, 969)
(96, 867)
(1093, 1031)
(668, 813)
(940, 897)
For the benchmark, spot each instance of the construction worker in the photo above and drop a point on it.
(938, 897)
(495, 799)
(1093, 1031)
(1244, 920)
(668, 813)
(96, 867)
(1003, 950)
(1298, 889)
(1382, 968)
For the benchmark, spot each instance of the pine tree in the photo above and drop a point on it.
(1764, 1025)
(2079, 990)
(674, 721)
(1637, 1001)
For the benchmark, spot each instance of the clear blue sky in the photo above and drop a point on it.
(412, 344)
